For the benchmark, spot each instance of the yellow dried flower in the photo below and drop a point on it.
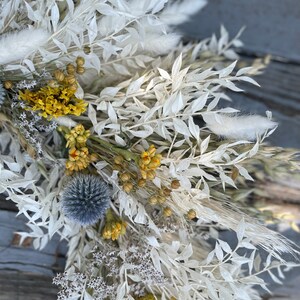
(114, 227)
(53, 101)
(79, 157)
(77, 137)
(149, 161)
(78, 160)
(152, 150)
(151, 174)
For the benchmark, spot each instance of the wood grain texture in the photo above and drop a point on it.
(280, 94)
(26, 286)
(25, 258)
(272, 26)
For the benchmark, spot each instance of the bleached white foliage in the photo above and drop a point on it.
(238, 127)
(143, 87)
(178, 12)
(16, 46)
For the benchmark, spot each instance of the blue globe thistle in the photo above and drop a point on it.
(2, 94)
(86, 199)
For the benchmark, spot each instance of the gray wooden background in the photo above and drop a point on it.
(272, 26)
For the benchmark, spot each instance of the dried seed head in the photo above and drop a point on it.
(142, 183)
(167, 212)
(161, 199)
(127, 187)
(118, 159)
(80, 61)
(191, 214)
(70, 79)
(153, 200)
(8, 84)
(125, 177)
(175, 184)
(117, 167)
(59, 75)
(80, 70)
(71, 70)
(52, 83)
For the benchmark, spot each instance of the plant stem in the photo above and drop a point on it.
(123, 152)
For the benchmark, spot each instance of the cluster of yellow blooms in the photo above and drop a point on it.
(114, 227)
(53, 101)
(79, 157)
(58, 98)
(149, 162)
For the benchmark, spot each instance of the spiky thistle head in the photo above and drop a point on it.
(85, 199)
(2, 94)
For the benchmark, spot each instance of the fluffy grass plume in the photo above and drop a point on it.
(16, 46)
(238, 127)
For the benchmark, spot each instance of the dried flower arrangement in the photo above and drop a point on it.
(111, 138)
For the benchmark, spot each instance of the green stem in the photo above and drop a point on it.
(104, 145)
(109, 215)
(123, 152)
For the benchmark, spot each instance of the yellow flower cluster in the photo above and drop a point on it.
(57, 98)
(54, 101)
(114, 227)
(149, 162)
(77, 137)
(79, 157)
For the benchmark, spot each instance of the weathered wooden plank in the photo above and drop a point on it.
(25, 258)
(272, 26)
(26, 286)
(279, 93)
